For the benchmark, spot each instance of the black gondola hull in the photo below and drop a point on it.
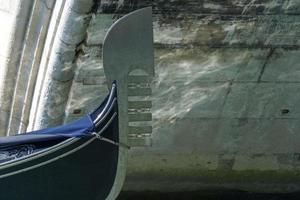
(86, 170)
(74, 168)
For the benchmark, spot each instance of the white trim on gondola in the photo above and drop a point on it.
(56, 158)
(106, 113)
(108, 107)
(111, 95)
(38, 154)
(48, 161)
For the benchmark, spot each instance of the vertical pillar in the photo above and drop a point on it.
(15, 17)
(57, 78)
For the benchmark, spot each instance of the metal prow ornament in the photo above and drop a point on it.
(128, 59)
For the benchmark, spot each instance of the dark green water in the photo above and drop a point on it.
(207, 195)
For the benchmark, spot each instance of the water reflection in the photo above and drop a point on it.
(193, 79)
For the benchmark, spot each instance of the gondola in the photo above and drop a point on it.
(85, 159)
(73, 161)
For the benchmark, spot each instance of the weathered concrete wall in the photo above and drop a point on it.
(225, 102)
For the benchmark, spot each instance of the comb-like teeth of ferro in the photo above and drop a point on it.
(140, 117)
(139, 110)
(138, 130)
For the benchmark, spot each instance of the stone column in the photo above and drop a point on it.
(30, 59)
(58, 76)
(15, 18)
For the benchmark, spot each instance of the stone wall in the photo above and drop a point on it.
(225, 94)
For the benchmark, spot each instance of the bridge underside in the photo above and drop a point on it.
(225, 96)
